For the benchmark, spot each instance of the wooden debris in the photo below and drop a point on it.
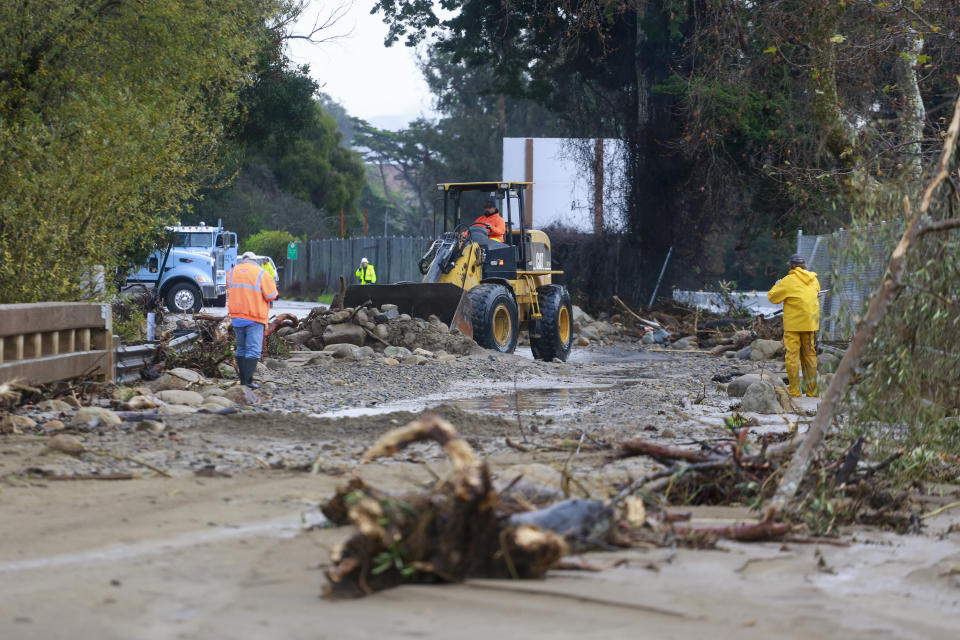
(450, 533)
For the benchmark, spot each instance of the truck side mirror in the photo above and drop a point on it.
(152, 264)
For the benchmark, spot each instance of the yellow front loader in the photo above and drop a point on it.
(489, 290)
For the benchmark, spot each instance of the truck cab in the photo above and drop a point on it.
(192, 271)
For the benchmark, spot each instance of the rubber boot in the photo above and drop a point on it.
(251, 368)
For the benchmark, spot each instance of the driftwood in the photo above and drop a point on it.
(641, 447)
(752, 531)
(452, 532)
(890, 287)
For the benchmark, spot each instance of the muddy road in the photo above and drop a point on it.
(232, 544)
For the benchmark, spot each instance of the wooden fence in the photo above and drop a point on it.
(46, 341)
(320, 263)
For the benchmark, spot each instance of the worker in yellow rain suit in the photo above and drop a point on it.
(799, 292)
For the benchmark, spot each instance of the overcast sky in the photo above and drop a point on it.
(377, 83)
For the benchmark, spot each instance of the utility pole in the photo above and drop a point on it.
(598, 187)
(385, 212)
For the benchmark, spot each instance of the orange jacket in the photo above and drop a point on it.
(250, 290)
(497, 226)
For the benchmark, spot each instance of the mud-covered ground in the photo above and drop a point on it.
(223, 548)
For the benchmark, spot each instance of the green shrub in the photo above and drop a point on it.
(270, 243)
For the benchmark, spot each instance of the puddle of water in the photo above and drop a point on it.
(529, 400)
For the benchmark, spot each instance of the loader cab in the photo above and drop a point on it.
(462, 204)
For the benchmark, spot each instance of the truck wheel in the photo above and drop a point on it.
(556, 326)
(494, 317)
(184, 297)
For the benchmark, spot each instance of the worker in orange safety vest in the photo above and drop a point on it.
(250, 290)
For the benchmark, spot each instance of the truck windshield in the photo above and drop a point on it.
(193, 240)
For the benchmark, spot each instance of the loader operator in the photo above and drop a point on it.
(250, 290)
(492, 221)
(798, 291)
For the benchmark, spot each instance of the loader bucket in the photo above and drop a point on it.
(418, 299)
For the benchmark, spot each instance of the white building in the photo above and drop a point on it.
(563, 170)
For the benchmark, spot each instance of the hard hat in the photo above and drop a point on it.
(491, 204)
(248, 255)
(364, 260)
(796, 260)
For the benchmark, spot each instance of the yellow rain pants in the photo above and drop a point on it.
(801, 351)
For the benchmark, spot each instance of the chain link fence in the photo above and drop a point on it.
(850, 275)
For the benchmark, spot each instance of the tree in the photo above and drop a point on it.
(102, 141)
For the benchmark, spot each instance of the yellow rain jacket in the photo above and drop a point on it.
(798, 292)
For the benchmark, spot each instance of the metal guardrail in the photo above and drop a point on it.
(42, 342)
(132, 359)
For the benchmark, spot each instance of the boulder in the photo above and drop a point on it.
(361, 353)
(583, 341)
(179, 396)
(405, 317)
(423, 352)
(386, 308)
(298, 338)
(361, 317)
(396, 352)
(52, 425)
(14, 423)
(213, 390)
(105, 416)
(321, 358)
(386, 316)
(283, 332)
(760, 398)
(177, 409)
(315, 343)
(226, 371)
(221, 401)
(54, 405)
(141, 403)
(447, 357)
(604, 328)
(648, 338)
(344, 333)
(390, 362)
(743, 337)
(341, 316)
(743, 354)
(167, 381)
(581, 317)
(242, 395)
(382, 331)
(766, 349)
(342, 351)
(415, 359)
(590, 333)
(276, 363)
(738, 386)
(191, 377)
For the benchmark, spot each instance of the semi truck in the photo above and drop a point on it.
(191, 272)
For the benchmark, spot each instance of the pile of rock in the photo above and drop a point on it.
(594, 331)
(363, 331)
(177, 392)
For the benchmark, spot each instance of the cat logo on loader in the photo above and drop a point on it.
(487, 289)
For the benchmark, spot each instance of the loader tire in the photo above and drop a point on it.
(494, 317)
(556, 326)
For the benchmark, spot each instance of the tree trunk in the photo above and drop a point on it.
(913, 114)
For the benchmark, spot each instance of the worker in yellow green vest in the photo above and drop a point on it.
(366, 272)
